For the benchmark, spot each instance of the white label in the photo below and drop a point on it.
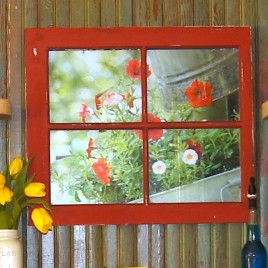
(7, 257)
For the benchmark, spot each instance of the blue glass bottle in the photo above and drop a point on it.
(254, 254)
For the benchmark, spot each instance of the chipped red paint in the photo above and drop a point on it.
(39, 41)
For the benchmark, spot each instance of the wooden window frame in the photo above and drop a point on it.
(40, 41)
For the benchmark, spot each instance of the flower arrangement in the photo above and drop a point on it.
(17, 192)
(109, 166)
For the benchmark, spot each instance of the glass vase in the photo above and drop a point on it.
(11, 249)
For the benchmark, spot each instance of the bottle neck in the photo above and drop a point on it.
(253, 228)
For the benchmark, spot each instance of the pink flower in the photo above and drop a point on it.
(113, 99)
(85, 112)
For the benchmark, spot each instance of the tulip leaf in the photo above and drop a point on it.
(39, 201)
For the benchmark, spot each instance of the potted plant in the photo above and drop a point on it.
(107, 167)
(18, 191)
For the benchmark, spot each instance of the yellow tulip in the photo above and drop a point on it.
(2, 180)
(35, 189)
(42, 220)
(15, 166)
(5, 195)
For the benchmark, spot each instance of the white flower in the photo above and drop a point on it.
(159, 167)
(113, 99)
(190, 157)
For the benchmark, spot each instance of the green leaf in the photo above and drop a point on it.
(38, 201)
(4, 220)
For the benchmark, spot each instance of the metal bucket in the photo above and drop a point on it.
(176, 69)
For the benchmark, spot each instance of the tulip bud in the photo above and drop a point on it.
(5, 195)
(42, 220)
(15, 166)
(35, 189)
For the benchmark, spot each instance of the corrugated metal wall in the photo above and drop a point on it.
(155, 246)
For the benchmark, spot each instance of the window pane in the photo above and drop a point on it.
(94, 86)
(194, 165)
(95, 167)
(194, 84)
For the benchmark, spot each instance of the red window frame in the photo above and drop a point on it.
(40, 41)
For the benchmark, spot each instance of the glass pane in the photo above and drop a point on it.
(95, 167)
(194, 84)
(194, 165)
(94, 86)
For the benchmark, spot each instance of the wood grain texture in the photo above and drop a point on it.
(217, 12)
(108, 14)
(124, 13)
(62, 7)
(186, 12)
(201, 13)
(172, 9)
(111, 246)
(3, 79)
(77, 13)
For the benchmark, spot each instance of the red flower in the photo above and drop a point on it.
(102, 170)
(153, 134)
(85, 112)
(98, 102)
(133, 69)
(90, 147)
(130, 100)
(199, 94)
(195, 146)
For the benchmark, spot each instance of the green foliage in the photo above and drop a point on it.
(122, 149)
